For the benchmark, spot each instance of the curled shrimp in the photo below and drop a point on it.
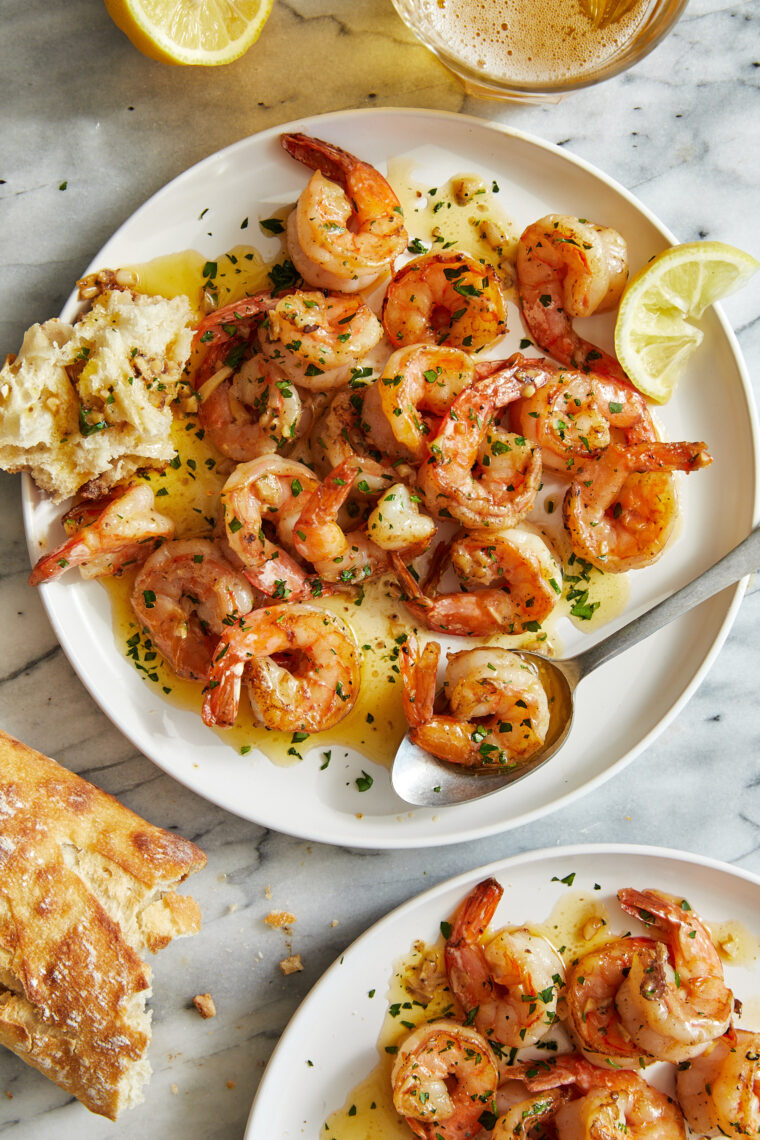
(622, 507)
(319, 537)
(301, 665)
(251, 411)
(674, 1000)
(566, 268)
(719, 1090)
(508, 982)
(575, 414)
(515, 562)
(511, 581)
(108, 535)
(348, 225)
(344, 432)
(498, 712)
(445, 298)
(416, 379)
(476, 472)
(185, 595)
(317, 337)
(267, 489)
(588, 1003)
(612, 1103)
(444, 1077)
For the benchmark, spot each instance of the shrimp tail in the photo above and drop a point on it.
(330, 160)
(72, 552)
(418, 676)
(476, 912)
(221, 696)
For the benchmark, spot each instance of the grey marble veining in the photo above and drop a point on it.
(81, 106)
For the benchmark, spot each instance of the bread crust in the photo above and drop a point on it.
(85, 886)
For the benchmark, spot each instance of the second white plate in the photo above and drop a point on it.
(331, 1041)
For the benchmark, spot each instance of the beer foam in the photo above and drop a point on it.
(530, 41)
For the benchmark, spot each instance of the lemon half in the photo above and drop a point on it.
(653, 336)
(205, 32)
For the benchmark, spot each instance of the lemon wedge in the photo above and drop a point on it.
(653, 337)
(205, 32)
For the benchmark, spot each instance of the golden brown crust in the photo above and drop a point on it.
(85, 884)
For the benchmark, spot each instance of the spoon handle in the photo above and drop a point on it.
(742, 560)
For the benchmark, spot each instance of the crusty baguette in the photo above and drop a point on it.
(85, 886)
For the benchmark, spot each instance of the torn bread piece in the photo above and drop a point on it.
(85, 886)
(90, 403)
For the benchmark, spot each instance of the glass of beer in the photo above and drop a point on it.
(538, 50)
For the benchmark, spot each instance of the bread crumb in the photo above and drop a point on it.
(267, 891)
(279, 918)
(204, 1003)
(335, 922)
(175, 1089)
(232, 908)
(230, 1084)
(292, 964)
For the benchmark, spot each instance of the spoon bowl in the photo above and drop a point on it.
(425, 781)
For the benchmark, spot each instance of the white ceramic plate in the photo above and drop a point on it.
(336, 1027)
(253, 178)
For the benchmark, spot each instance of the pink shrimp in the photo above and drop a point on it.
(348, 225)
(507, 982)
(123, 529)
(568, 267)
(622, 507)
(674, 1000)
(301, 665)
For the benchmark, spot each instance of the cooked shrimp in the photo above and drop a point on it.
(445, 298)
(317, 337)
(476, 472)
(250, 412)
(498, 713)
(185, 595)
(674, 1000)
(719, 1090)
(343, 432)
(566, 268)
(514, 561)
(588, 1004)
(267, 489)
(621, 510)
(301, 666)
(122, 530)
(482, 612)
(511, 581)
(319, 537)
(348, 225)
(416, 379)
(508, 982)
(613, 1103)
(575, 414)
(444, 1077)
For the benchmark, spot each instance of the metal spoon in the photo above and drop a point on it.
(425, 781)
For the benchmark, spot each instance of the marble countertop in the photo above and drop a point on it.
(84, 109)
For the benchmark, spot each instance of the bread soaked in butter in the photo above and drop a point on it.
(90, 403)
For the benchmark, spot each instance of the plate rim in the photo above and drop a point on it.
(499, 866)
(735, 593)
